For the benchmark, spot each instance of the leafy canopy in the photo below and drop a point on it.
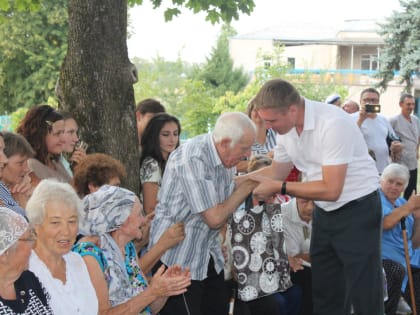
(218, 72)
(217, 10)
(401, 33)
(33, 46)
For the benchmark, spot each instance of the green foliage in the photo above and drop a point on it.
(217, 10)
(317, 86)
(33, 47)
(312, 86)
(218, 72)
(19, 5)
(401, 33)
(183, 96)
(17, 116)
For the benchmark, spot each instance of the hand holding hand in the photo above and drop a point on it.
(266, 187)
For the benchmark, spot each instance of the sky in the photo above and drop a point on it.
(191, 37)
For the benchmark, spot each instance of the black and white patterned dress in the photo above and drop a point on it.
(31, 297)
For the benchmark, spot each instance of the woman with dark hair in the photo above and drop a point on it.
(43, 127)
(159, 139)
(74, 150)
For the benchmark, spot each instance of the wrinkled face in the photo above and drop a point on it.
(135, 221)
(19, 256)
(57, 233)
(15, 170)
(280, 121)
(168, 138)
(231, 156)
(407, 106)
(305, 208)
(55, 138)
(70, 135)
(392, 188)
(3, 157)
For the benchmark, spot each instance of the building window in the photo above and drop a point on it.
(369, 62)
(291, 62)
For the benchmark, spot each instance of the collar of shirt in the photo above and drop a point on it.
(214, 156)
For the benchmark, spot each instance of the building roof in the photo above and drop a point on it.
(351, 32)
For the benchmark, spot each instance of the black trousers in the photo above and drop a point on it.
(346, 258)
(412, 184)
(303, 278)
(206, 297)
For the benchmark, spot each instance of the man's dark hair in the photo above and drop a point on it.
(369, 90)
(404, 96)
(278, 94)
(150, 105)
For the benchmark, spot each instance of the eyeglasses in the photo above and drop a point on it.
(370, 100)
(31, 238)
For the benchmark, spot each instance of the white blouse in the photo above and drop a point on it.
(77, 295)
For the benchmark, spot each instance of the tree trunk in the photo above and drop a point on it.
(96, 81)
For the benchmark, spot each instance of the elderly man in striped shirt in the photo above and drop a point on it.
(198, 189)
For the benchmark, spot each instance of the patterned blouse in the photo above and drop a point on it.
(31, 298)
(150, 173)
(123, 275)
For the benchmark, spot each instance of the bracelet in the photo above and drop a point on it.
(283, 188)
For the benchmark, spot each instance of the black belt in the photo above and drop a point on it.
(350, 203)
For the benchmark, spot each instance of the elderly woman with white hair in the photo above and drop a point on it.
(394, 180)
(114, 214)
(20, 290)
(53, 211)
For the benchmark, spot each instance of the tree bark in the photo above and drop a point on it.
(96, 81)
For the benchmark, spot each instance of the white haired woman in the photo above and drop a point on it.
(53, 210)
(394, 180)
(114, 213)
(20, 290)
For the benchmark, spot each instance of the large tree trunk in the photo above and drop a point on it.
(96, 81)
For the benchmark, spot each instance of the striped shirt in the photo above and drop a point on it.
(270, 143)
(7, 200)
(194, 180)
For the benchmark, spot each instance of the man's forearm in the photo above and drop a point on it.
(216, 216)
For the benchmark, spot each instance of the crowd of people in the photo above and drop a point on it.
(296, 207)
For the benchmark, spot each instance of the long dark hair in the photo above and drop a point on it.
(150, 145)
(35, 127)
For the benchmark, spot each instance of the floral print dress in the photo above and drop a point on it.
(123, 275)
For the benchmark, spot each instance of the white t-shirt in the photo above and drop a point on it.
(330, 137)
(296, 240)
(375, 131)
(77, 295)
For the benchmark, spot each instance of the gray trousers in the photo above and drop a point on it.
(346, 258)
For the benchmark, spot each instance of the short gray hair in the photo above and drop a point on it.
(395, 170)
(232, 126)
(50, 190)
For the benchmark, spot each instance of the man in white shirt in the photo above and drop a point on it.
(375, 129)
(406, 126)
(327, 146)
